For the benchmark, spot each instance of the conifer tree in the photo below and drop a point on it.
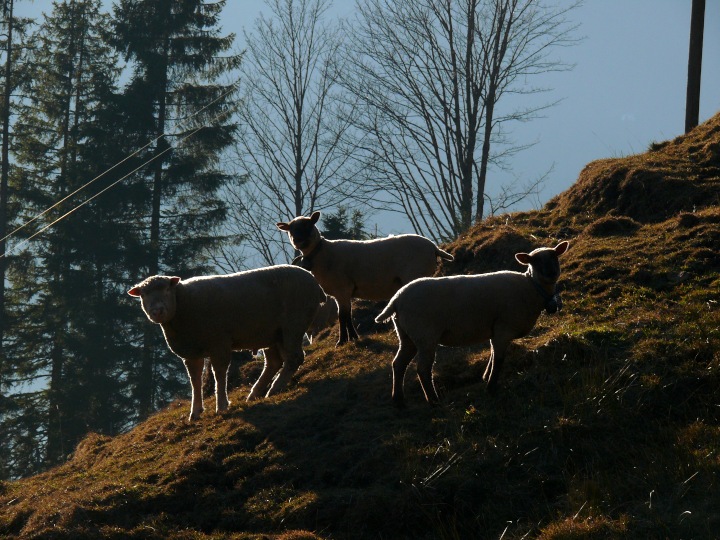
(12, 49)
(178, 59)
(70, 347)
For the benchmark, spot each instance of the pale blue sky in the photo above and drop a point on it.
(626, 91)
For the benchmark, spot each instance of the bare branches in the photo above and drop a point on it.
(293, 144)
(429, 74)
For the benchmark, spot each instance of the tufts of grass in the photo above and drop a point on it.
(605, 424)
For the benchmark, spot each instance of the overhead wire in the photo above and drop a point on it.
(81, 188)
(86, 201)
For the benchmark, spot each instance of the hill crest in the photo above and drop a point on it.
(606, 422)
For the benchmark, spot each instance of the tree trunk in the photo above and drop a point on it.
(692, 103)
(146, 383)
(485, 157)
(55, 444)
(5, 169)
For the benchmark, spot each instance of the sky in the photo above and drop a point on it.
(626, 90)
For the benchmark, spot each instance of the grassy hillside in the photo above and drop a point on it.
(606, 423)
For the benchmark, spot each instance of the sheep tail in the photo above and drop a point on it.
(386, 313)
(444, 254)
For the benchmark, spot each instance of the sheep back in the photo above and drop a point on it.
(245, 310)
(375, 269)
(465, 310)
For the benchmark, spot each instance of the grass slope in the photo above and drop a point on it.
(606, 423)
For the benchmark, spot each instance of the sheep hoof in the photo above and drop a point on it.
(222, 408)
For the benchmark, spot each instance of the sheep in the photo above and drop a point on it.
(367, 269)
(267, 308)
(325, 317)
(467, 310)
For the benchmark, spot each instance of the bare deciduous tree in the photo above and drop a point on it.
(293, 149)
(430, 75)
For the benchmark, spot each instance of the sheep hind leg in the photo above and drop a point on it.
(489, 367)
(406, 352)
(220, 364)
(273, 363)
(194, 367)
(498, 345)
(425, 360)
(291, 363)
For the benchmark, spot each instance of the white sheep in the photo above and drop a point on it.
(268, 308)
(325, 317)
(367, 269)
(467, 310)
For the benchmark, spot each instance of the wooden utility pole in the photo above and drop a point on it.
(692, 103)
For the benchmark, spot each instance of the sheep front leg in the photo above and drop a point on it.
(273, 363)
(347, 329)
(194, 367)
(220, 363)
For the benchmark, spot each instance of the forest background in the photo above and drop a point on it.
(143, 137)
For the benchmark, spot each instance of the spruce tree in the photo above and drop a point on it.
(13, 37)
(178, 59)
(71, 343)
(13, 48)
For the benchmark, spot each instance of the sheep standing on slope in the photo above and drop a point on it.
(367, 269)
(268, 308)
(467, 310)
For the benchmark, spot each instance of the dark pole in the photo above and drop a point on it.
(692, 104)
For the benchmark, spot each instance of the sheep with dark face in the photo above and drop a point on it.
(268, 308)
(367, 269)
(468, 310)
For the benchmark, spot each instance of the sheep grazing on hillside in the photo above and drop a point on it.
(467, 310)
(325, 317)
(367, 269)
(268, 308)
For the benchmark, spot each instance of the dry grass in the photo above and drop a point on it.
(606, 425)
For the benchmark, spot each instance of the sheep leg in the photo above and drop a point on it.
(406, 352)
(499, 345)
(291, 363)
(194, 367)
(425, 360)
(220, 364)
(347, 329)
(273, 363)
(488, 368)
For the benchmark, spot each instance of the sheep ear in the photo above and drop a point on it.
(135, 291)
(283, 226)
(314, 217)
(174, 280)
(522, 258)
(562, 247)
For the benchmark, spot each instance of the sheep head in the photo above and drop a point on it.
(544, 267)
(543, 263)
(157, 294)
(303, 233)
